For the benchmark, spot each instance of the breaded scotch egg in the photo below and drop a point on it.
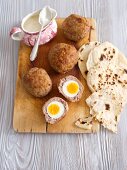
(71, 88)
(55, 109)
(37, 82)
(63, 57)
(75, 27)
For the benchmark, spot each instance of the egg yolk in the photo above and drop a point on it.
(72, 88)
(53, 109)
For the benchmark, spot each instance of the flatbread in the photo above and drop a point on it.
(106, 106)
(104, 54)
(105, 69)
(122, 60)
(103, 76)
(98, 77)
(83, 56)
(86, 123)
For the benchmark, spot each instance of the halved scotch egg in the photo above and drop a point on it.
(71, 88)
(55, 109)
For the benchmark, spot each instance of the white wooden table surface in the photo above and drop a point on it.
(102, 151)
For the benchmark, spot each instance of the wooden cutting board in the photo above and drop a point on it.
(28, 116)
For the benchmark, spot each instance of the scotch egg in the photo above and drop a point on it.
(55, 109)
(37, 82)
(71, 88)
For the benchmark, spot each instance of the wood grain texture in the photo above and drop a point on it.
(28, 115)
(102, 151)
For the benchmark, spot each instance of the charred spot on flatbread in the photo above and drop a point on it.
(102, 57)
(86, 72)
(107, 107)
(81, 49)
(113, 50)
(125, 70)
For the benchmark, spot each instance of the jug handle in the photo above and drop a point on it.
(16, 33)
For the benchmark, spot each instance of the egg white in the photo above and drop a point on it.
(65, 91)
(61, 112)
